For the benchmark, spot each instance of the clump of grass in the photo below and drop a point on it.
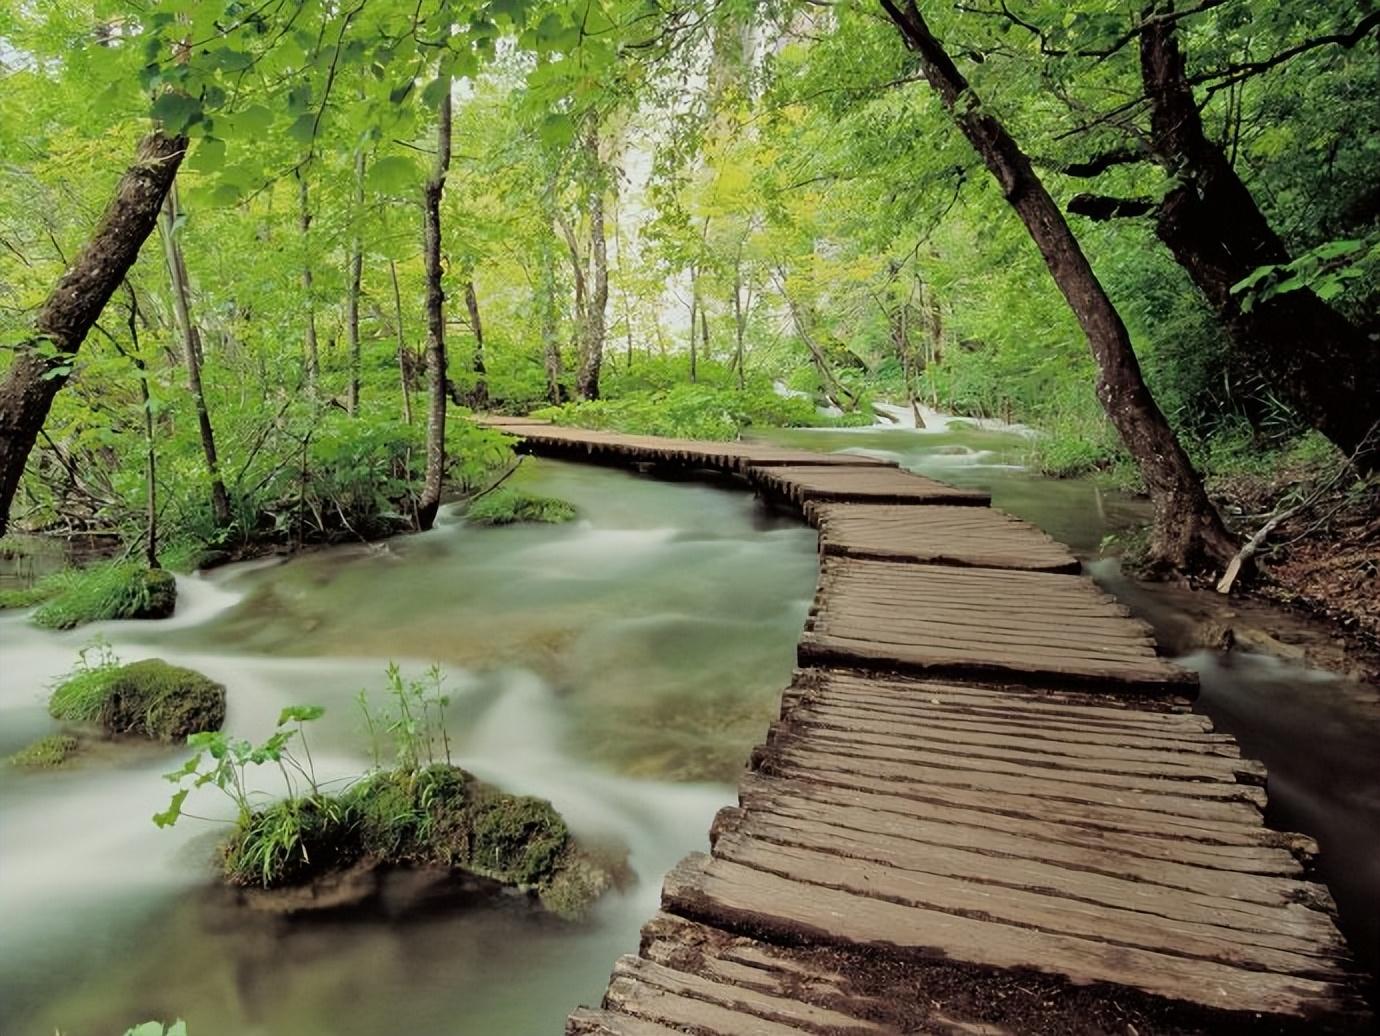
(507, 506)
(150, 698)
(115, 590)
(26, 597)
(46, 753)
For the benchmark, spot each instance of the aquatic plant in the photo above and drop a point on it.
(46, 753)
(177, 1028)
(507, 506)
(112, 590)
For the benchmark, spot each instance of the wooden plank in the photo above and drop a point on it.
(937, 534)
(668, 996)
(1260, 875)
(1025, 886)
(857, 621)
(743, 898)
(584, 1021)
(804, 484)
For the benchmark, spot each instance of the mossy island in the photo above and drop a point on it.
(418, 815)
(113, 590)
(150, 698)
(326, 852)
(47, 753)
(511, 506)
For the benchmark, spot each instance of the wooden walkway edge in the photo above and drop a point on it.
(985, 809)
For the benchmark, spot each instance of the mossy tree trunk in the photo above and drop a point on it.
(43, 361)
(1188, 532)
(430, 499)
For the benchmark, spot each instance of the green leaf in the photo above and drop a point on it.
(399, 93)
(208, 157)
(300, 714)
(303, 128)
(254, 121)
(393, 174)
(557, 129)
(169, 816)
(176, 111)
(435, 91)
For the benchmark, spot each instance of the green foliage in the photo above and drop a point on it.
(177, 1028)
(506, 506)
(46, 753)
(79, 695)
(112, 590)
(149, 698)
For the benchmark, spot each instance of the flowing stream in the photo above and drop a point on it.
(621, 666)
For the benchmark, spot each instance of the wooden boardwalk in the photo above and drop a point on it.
(985, 809)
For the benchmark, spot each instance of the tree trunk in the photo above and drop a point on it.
(430, 499)
(304, 217)
(694, 334)
(1188, 533)
(191, 355)
(356, 274)
(740, 315)
(43, 362)
(546, 297)
(402, 345)
(1316, 358)
(596, 306)
(479, 394)
(150, 448)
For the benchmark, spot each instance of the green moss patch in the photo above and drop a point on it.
(508, 506)
(150, 698)
(46, 753)
(121, 590)
(439, 816)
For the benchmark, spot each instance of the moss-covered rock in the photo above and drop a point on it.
(439, 817)
(150, 698)
(46, 753)
(121, 590)
(507, 506)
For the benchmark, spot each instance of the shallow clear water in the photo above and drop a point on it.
(621, 666)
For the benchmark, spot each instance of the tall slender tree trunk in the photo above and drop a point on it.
(1188, 532)
(150, 444)
(356, 275)
(43, 362)
(704, 329)
(479, 394)
(430, 499)
(402, 345)
(739, 324)
(1310, 353)
(191, 355)
(694, 316)
(596, 306)
(313, 355)
(546, 298)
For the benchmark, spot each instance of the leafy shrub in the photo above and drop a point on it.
(46, 753)
(507, 506)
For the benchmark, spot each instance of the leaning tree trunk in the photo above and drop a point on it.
(479, 394)
(43, 361)
(356, 275)
(430, 499)
(1188, 532)
(191, 356)
(1316, 358)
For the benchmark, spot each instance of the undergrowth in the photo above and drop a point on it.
(110, 590)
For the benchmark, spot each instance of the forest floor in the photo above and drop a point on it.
(1324, 561)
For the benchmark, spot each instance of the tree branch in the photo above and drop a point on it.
(1101, 207)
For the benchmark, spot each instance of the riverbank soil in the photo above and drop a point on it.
(1324, 560)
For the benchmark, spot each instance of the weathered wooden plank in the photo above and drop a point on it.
(802, 484)
(1219, 804)
(743, 898)
(585, 1021)
(669, 996)
(1259, 875)
(939, 534)
(1222, 914)
(1089, 755)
